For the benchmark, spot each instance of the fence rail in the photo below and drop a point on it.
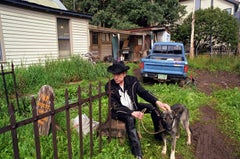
(14, 125)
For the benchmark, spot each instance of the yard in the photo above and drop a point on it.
(213, 104)
(208, 141)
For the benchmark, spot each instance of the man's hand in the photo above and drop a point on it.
(163, 106)
(138, 114)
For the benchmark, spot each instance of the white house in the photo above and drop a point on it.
(230, 6)
(32, 33)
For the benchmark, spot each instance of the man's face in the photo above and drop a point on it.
(119, 78)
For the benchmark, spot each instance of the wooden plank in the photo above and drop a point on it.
(43, 106)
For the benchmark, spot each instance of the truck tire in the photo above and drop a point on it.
(144, 79)
(182, 82)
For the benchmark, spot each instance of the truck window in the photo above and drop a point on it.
(167, 49)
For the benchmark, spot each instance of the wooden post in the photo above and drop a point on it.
(192, 33)
(43, 106)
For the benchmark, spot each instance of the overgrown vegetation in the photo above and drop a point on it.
(212, 27)
(216, 63)
(55, 73)
(69, 74)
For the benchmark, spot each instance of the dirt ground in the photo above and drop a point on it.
(208, 141)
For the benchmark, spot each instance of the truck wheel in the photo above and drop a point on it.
(144, 79)
(181, 83)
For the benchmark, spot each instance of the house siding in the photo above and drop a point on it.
(204, 4)
(29, 37)
(217, 3)
(80, 36)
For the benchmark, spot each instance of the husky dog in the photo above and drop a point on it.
(170, 122)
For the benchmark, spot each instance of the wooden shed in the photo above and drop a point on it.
(105, 42)
(32, 33)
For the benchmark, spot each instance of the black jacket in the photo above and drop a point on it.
(133, 88)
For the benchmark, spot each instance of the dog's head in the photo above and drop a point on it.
(168, 116)
(167, 119)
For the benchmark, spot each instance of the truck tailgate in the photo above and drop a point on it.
(164, 66)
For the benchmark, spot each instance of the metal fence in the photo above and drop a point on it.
(11, 73)
(14, 125)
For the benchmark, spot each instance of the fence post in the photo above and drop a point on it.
(68, 125)
(36, 131)
(100, 116)
(5, 85)
(54, 131)
(80, 122)
(109, 110)
(15, 85)
(90, 116)
(13, 131)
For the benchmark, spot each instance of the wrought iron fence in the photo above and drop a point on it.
(14, 125)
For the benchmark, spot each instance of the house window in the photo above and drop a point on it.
(228, 10)
(197, 5)
(105, 37)
(63, 37)
(94, 38)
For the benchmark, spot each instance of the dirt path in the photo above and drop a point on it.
(208, 82)
(208, 141)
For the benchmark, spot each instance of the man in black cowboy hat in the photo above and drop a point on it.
(125, 107)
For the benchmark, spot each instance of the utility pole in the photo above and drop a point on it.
(74, 5)
(191, 55)
(211, 32)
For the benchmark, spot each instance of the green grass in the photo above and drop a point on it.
(69, 74)
(216, 63)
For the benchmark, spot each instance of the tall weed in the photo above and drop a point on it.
(54, 73)
(216, 63)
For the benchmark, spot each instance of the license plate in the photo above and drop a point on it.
(162, 76)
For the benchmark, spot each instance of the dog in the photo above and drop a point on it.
(170, 123)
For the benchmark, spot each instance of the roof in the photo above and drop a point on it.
(234, 2)
(49, 3)
(115, 31)
(146, 29)
(168, 43)
(45, 9)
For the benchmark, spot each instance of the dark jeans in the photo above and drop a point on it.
(131, 129)
(155, 113)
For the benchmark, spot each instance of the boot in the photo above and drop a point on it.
(138, 157)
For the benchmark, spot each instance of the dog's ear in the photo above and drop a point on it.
(177, 111)
(157, 111)
(175, 114)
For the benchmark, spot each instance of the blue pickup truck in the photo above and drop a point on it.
(165, 62)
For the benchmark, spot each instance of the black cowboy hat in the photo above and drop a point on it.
(117, 68)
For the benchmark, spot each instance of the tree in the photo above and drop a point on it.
(222, 26)
(128, 14)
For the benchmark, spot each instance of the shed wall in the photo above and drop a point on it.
(106, 50)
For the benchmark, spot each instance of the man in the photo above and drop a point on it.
(125, 106)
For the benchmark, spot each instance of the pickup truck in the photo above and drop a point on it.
(165, 62)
